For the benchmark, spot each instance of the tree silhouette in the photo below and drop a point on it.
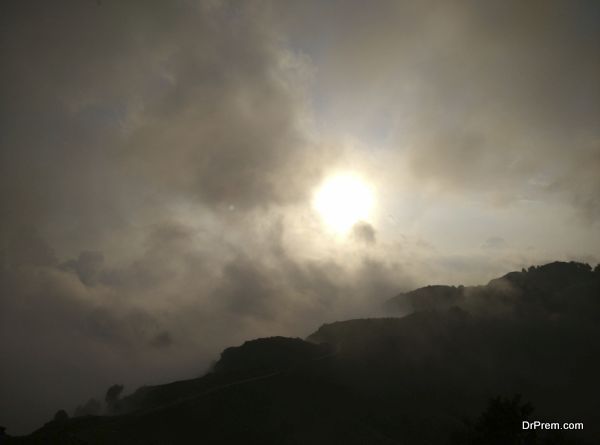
(112, 398)
(60, 416)
(499, 424)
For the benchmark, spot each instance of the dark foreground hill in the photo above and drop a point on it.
(409, 380)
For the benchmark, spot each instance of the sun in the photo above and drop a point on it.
(343, 200)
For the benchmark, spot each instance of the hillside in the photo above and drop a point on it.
(409, 380)
(552, 290)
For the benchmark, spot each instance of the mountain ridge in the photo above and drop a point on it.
(391, 380)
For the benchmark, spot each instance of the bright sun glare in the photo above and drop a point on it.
(342, 201)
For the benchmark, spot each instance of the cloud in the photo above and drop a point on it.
(494, 242)
(163, 315)
(155, 104)
(158, 158)
(86, 266)
(483, 101)
(115, 119)
(162, 340)
(364, 232)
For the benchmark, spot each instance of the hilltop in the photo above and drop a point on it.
(397, 380)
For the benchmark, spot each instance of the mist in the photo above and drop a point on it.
(159, 160)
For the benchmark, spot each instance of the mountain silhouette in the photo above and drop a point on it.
(448, 372)
(554, 289)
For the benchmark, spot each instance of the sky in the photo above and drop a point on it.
(161, 161)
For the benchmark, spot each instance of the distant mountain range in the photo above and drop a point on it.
(416, 379)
